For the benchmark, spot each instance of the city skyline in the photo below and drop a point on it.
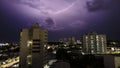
(73, 18)
(34, 51)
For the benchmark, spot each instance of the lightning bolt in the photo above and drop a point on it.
(65, 9)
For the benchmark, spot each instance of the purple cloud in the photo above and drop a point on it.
(61, 13)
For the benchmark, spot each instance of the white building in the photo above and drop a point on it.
(94, 43)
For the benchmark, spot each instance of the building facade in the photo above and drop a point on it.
(94, 43)
(111, 61)
(32, 50)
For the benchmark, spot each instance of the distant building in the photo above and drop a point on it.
(63, 40)
(78, 42)
(112, 61)
(71, 40)
(68, 41)
(94, 43)
(32, 50)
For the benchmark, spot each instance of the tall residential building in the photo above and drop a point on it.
(32, 50)
(94, 43)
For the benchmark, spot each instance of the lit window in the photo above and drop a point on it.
(114, 43)
(29, 59)
(92, 51)
(29, 43)
(48, 47)
(112, 49)
(86, 37)
(65, 45)
(97, 37)
(45, 45)
(21, 34)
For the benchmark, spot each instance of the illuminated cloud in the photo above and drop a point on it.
(64, 17)
(59, 14)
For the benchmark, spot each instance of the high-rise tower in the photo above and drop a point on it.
(32, 50)
(94, 43)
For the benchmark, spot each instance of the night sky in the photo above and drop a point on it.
(62, 18)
